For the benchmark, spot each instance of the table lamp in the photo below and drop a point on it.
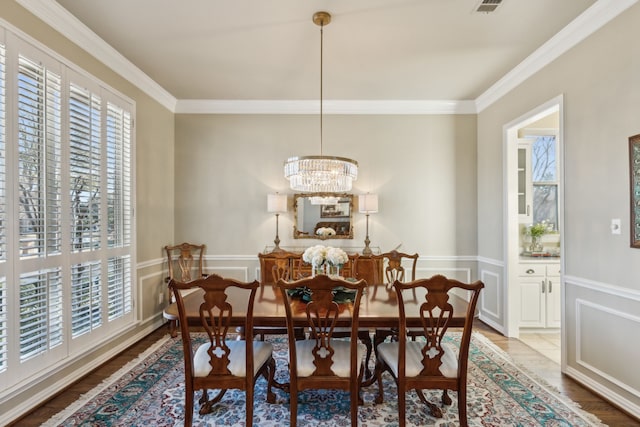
(367, 204)
(277, 203)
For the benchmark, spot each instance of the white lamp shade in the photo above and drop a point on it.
(368, 203)
(276, 203)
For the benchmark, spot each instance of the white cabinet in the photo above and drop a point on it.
(539, 295)
(525, 184)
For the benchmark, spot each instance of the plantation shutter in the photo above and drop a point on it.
(3, 212)
(86, 298)
(66, 212)
(39, 207)
(84, 168)
(118, 139)
(118, 175)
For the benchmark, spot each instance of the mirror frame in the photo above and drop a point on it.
(300, 234)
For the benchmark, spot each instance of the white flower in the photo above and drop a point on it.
(314, 255)
(318, 255)
(325, 231)
(336, 256)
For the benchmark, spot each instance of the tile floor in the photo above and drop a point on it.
(546, 343)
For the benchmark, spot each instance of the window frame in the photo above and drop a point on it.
(15, 371)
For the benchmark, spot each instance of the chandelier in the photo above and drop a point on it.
(320, 174)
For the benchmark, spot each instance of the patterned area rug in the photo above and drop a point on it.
(150, 392)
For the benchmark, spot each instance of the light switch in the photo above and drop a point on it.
(615, 226)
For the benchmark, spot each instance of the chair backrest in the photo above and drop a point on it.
(435, 314)
(215, 314)
(393, 267)
(322, 315)
(185, 261)
(282, 268)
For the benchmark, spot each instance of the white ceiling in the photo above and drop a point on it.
(400, 50)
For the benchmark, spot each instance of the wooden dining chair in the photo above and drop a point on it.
(323, 361)
(393, 268)
(431, 362)
(281, 266)
(184, 263)
(221, 362)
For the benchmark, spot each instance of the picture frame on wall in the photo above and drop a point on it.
(634, 178)
(339, 210)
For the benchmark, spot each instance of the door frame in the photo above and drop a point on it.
(510, 196)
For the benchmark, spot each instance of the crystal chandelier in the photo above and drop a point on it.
(320, 174)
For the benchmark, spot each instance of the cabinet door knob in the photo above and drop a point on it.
(543, 286)
(530, 271)
(550, 285)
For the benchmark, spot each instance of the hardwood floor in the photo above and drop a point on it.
(521, 353)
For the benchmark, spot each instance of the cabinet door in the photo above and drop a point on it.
(554, 312)
(532, 302)
(525, 185)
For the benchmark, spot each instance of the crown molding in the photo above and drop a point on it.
(600, 13)
(197, 106)
(592, 19)
(69, 26)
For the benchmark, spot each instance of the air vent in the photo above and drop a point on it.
(487, 6)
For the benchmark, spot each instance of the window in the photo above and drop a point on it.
(65, 211)
(545, 180)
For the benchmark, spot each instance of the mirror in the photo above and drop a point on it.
(323, 216)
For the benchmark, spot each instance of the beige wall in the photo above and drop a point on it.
(601, 85)
(422, 167)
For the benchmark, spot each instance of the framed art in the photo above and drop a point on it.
(339, 210)
(634, 177)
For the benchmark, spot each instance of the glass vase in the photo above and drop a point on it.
(535, 246)
(334, 271)
(318, 269)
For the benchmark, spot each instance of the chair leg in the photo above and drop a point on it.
(366, 340)
(270, 377)
(402, 408)
(293, 403)
(462, 405)
(173, 328)
(378, 373)
(188, 406)
(249, 402)
(436, 412)
(446, 400)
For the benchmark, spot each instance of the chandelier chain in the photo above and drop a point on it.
(321, 80)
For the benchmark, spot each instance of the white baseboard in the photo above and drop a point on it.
(604, 392)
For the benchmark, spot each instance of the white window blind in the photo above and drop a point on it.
(86, 298)
(40, 312)
(39, 130)
(3, 324)
(66, 202)
(119, 298)
(84, 168)
(118, 175)
(3, 212)
(3, 171)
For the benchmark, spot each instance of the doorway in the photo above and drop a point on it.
(527, 299)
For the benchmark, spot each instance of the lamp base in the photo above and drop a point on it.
(367, 249)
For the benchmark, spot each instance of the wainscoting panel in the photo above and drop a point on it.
(596, 336)
(602, 352)
(493, 297)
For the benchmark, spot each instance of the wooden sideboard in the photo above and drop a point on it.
(275, 264)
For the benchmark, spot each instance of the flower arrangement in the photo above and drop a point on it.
(538, 230)
(319, 255)
(325, 231)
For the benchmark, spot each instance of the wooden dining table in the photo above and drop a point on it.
(378, 309)
(378, 312)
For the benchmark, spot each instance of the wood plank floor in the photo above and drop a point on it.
(521, 353)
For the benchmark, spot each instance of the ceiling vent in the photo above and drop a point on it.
(487, 6)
